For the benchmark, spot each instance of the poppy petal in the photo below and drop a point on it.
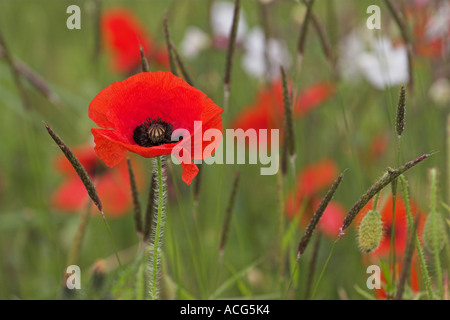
(312, 97)
(190, 170)
(123, 33)
(70, 196)
(113, 190)
(109, 151)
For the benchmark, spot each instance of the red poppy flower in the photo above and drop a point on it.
(413, 282)
(123, 33)
(312, 97)
(113, 185)
(401, 225)
(267, 112)
(424, 45)
(310, 182)
(140, 113)
(316, 177)
(378, 146)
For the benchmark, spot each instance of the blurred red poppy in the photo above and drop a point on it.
(378, 146)
(113, 185)
(310, 182)
(123, 33)
(267, 111)
(401, 225)
(425, 22)
(144, 110)
(312, 97)
(413, 282)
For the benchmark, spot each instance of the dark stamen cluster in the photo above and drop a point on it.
(96, 169)
(153, 132)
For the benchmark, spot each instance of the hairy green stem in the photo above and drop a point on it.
(157, 236)
(433, 212)
(409, 216)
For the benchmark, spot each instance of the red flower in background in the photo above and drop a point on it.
(401, 225)
(113, 185)
(312, 97)
(413, 282)
(140, 113)
(310, 182)
(401, 237)
(378, 146)
(267, 112)
(123, 33)
(430, 28)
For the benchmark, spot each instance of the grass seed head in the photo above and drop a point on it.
(400, 118)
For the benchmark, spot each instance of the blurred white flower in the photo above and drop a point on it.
(194, 41)
(350, 47)
(221, 20)
(256, 53)
(438, 27)
(439, 24)
(376, 59)
(439, 91)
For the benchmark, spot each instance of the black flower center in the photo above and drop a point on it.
(96, 169)
(153, 132)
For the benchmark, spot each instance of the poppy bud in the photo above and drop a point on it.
(99, 271)
(370, 231)
(434, 226)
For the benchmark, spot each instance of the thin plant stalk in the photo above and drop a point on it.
(386, 179)
(281, 221)
(17, 79)
(144, 61)
(312, 266)
(78, 239)
(173, 66)
(136, 202)
(448, 158)
(264, 17)
(141, 290)
(197, 184)
(229, 210)
(149, 210)
(392, 255)
(409, 216)
(35, 80)
(317, 215)
(406, 264)
(89, 185)
(326, 47)
(97, 30)
(182, 66)
(405, 35)
(303, 32)
(323, 270)
(288, 116)
(156, 245)
(434, 213)
(375, 201)
(399, 126)
(230, 51)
